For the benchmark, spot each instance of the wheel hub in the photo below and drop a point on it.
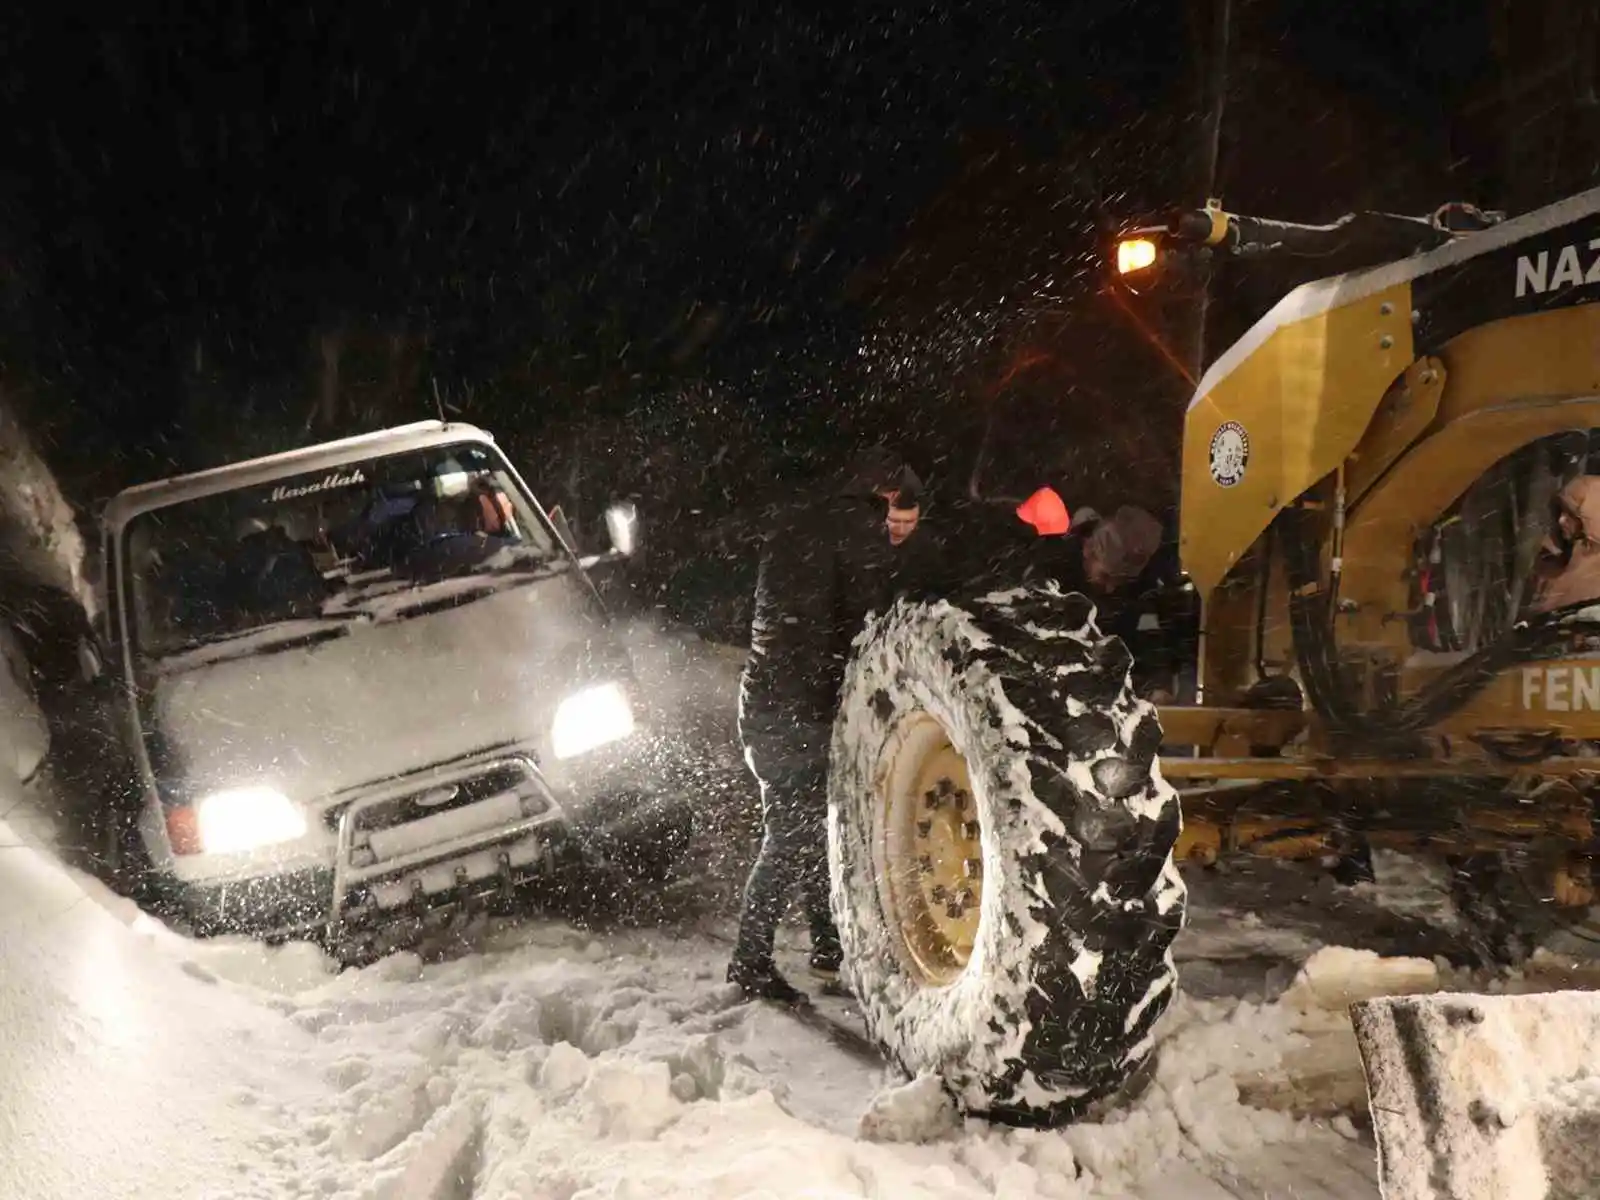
(933, 851)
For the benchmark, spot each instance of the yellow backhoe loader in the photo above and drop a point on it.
(1383, 521)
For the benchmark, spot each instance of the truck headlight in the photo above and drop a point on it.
(247, 818)
(591, 718)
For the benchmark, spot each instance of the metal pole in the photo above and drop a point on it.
(1217, 101)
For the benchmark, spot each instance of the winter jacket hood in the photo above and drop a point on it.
(875, 471)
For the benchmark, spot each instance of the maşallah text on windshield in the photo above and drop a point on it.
(327, 484)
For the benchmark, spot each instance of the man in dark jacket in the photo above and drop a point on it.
(1147, 605)
(1105, 557)
(823, 568)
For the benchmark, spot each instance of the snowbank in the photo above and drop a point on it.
(1478, 1097)
(37, 524)
(120, 1075)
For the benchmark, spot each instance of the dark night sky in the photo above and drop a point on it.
(562, 180)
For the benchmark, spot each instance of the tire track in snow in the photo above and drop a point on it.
(571, 1066)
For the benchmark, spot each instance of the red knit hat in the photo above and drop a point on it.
(1046, 512)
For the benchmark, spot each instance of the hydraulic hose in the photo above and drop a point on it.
(1396, 729)
(1545, 636)
(1377, 236)
(1311, 627)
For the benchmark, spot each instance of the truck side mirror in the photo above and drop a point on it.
(622, 523)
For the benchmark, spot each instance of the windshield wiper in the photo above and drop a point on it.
(291, 628)
(546, 565)
(452, 591)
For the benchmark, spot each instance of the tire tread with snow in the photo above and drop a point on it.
(1081, 900)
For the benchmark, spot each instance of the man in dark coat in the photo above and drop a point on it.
(1105, 557)
(823, 568)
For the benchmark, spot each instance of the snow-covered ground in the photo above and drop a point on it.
(543, 1060)
(550, 1062)
(547, 1063)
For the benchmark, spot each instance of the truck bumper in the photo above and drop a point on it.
(444, 852)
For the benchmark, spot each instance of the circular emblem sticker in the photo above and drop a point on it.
(1230, 454)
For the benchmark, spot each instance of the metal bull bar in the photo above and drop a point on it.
(504, 818)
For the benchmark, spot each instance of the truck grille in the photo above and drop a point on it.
(444, 793)
(474, 826)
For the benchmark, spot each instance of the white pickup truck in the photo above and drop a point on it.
(363, 678)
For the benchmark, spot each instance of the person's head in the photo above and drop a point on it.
(905, 513)
(1119, 548)
(878, 471)
(905, 506)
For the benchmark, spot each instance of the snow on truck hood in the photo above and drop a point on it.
(376, 699)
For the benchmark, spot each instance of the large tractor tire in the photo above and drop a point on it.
(1001, 843)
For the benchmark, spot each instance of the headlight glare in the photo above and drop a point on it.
(1135, 254)
(591, 718)
(247, 818)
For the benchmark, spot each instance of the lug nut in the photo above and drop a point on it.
(971, 830)
(973, 868)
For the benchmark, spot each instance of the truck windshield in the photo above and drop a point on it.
(306, 550)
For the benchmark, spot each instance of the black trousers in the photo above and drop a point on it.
(793, 856)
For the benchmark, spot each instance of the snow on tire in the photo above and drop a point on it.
(1000, 839)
